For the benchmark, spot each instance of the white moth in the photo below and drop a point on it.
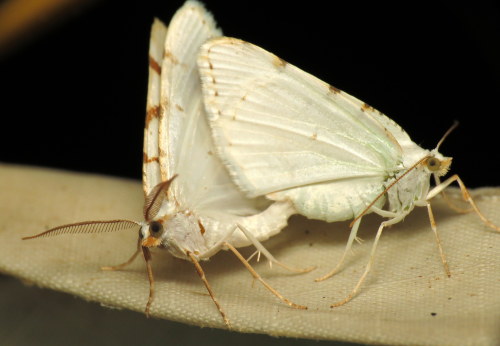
(290, 137)
(192, 207)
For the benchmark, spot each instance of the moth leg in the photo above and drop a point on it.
(147, 258)
(352, 237)
(466, 196)
(454, 207)
(258, 277)
(256, 253)
(448, 200)
(265, 252)
(370, 261)
(130, 260)
(203, 278)
(438, 240)
(383, 213)
(217, 246)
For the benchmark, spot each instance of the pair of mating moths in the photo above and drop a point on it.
(286, 142)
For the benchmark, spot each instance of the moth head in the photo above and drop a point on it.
(152, 232)
(437, 164)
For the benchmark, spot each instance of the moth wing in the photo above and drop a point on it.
(151, 173)
(185, 144)
(285, 134)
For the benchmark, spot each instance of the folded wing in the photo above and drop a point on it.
(186, 147)
(287, 135)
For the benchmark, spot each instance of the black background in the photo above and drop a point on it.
(74, 98)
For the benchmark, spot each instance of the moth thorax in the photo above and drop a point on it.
(412, 187)
(184, 233)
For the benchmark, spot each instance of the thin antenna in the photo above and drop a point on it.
(453, 127)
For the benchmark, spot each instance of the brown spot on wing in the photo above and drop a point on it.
(154, 65)
(333, 89)
(152, 113)
(314, 136)
(392, 138)
(366, 107)
(202, 229)
(168, 55)
(147, 159)
(179, 108)
(278, 62)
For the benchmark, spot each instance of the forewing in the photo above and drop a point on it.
(151, 174)
(186, 146)
(277, 127)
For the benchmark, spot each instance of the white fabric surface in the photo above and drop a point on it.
(395, 305)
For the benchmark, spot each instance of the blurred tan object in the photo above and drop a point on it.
(21, 19)
(407, 298)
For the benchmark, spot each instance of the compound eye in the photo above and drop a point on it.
(433, 164)
(155, 228)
